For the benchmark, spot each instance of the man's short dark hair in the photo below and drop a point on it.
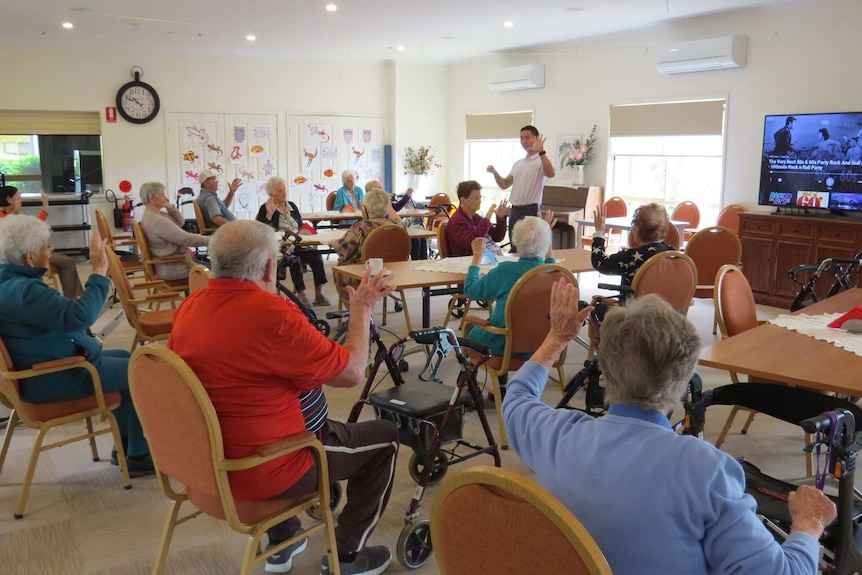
(6, 193)
(789, 120)
(531, 129)
(466, 188)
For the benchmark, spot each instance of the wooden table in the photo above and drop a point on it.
(783, 356)
(323, 237)
(406, 276)
(622, 223)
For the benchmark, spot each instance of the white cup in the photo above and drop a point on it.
(376, 265)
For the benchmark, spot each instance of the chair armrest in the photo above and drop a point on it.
(159, 297)
(477, 321)
(150, 284)
(64, 364)
(276, 449)
(167, 259)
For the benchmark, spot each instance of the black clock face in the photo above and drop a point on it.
(138, 102)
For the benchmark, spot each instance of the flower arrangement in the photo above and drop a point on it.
(420, 161)
(578, 153)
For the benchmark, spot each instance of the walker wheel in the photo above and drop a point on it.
(334, 500)
(403, 366)
(438, 472)
(322, 326)
(398, 307)
(414, 544)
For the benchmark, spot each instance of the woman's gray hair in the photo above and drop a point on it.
(273, 183)
(345, 174)
(241, 249)
(532, 235)
(21, 235)
(376, 201)
(373, 185)
(150, 190)
(647, 354)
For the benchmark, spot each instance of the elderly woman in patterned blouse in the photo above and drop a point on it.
(349, 247)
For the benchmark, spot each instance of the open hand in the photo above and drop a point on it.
(566, 318)
(539, 144)
(502, 210)
(548, 216)
(234, 185)
(599, 214)
(98, 258)
(44, 199)
(371, 289)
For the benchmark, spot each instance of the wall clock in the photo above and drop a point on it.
(137, 101)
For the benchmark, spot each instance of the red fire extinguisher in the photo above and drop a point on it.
(127, 214)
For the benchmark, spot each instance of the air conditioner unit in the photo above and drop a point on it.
(517, 78)
(702, 55)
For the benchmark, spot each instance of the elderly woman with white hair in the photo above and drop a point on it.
(38, 324)
(162, 224)
(282, 215)
(532, 235)
(349, 196)
(349, 246)
(654, 501)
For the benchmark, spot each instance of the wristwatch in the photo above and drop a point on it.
(542, 153)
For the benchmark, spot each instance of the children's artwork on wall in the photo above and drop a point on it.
(238, 134)
(367, 135)
(310, 158)
(262, 132)
(267, 168)
(330, 177)
(358, 159)
(259, 149)
(239, 147)
(246, 173)
(318, 133)
(190, 157)
(347, 134)
(300, 185)
(197, 134)
(320, 190)
(190, 178)
(214, 151)
(215, 167)
(246, 198)
(376, 156)
(329, 152)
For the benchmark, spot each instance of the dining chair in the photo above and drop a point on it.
(150, 261)
(687, 212)
(149, 325)
(392, 244)
(172, 403)
(524, 528)
(528, 321)
(442, 206)
(202, 223)
(709, 249)
(615, 207)
(670, 274)
(199, 277)
(729, 217)
(131, 260)
(44, 417)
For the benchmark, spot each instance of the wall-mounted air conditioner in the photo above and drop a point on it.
(702, 55)
(517, 78)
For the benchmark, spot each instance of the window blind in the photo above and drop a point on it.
(699, 118)
(48, 123)
(497, 126)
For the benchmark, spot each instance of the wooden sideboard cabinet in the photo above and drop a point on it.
(772, 244)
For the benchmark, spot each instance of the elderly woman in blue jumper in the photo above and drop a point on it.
(654, 501)
(532, 235)
(349, 194)
(38, 324)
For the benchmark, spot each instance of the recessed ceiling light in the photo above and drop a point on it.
(251, 37)
(331, 7)
(68, 25)
(508, 24)
(401, 48)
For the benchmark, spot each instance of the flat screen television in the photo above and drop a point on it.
(812, 161)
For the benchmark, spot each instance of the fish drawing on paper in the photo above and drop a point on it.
(329, 172)
(299, 180)
(256, 149)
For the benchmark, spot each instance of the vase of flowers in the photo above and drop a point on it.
(419, 163)
(578, 154)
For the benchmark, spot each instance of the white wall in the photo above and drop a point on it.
(800, 59)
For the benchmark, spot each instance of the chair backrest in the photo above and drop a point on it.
(442, 240)
(687, 212)
(390, 242)
(670, 274)
(199, 277)
(171, 403)
(616, 207)
(711, 248)
(123, 287)
(528, 307)
(330, 201)
(734, 301)
(10, 389)
(672, 237)
(485, 499)
(439, 199)
(104, 228)
(201, 220)
(146, 255)
(729, 217)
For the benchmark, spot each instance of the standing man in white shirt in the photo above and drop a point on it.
(527, 178)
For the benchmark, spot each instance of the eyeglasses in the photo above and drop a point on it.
(49, 249)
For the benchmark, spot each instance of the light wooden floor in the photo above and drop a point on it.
(79, 520)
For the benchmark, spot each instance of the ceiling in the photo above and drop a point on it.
(430, 31)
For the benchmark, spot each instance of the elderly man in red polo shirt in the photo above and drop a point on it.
(263, 366)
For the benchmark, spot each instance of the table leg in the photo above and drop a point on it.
(578, 240)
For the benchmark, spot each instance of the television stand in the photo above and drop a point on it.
(774, 243)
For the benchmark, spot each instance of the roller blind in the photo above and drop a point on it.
(19, 122)
(497, 126)
(700, 118)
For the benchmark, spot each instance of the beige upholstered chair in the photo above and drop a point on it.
(524, 528)
(709, 249)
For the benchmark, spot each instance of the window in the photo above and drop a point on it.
(668, 153)
(669, 170)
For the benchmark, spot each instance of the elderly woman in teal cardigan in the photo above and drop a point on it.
(532, 235)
